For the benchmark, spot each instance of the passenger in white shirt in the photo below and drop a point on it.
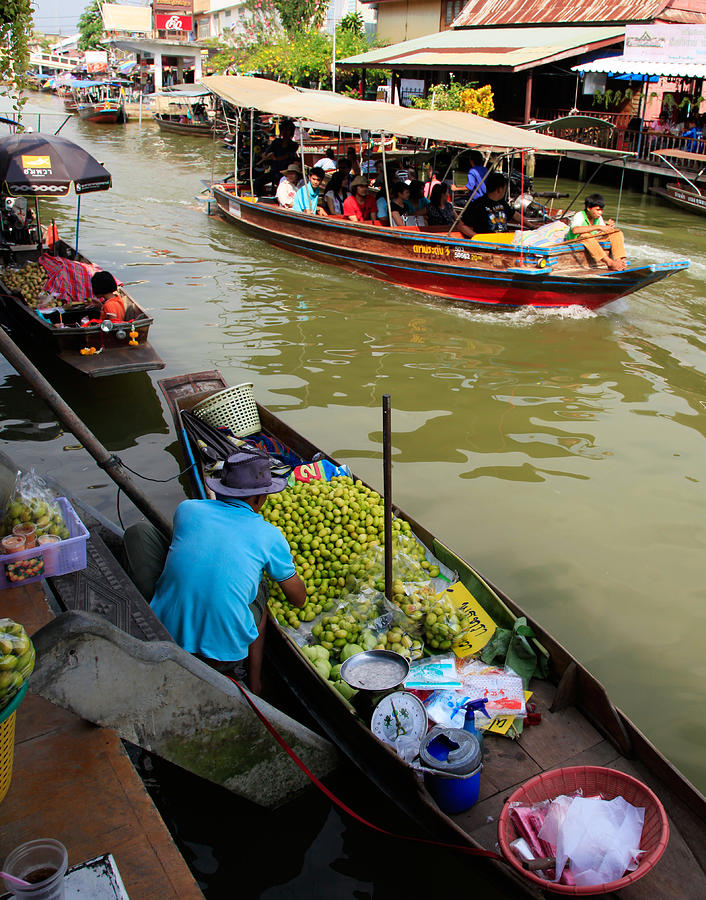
(289, 185)
(327, 162)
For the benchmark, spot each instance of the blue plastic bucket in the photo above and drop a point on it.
(454, 793)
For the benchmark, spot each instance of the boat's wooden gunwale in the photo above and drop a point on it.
(577, 689)
(199, 130)
(682, 196)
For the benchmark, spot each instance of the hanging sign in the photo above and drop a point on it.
(666, 43)
(174, 22)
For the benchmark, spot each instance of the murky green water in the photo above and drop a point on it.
(560, 452)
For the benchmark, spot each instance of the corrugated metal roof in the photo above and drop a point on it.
(620, 65)
(482, 13)
(507, 49)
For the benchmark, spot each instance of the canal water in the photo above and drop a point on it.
(560, 452)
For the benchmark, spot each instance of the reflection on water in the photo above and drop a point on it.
(560, 451)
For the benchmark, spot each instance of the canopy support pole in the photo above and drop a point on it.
(528, 97)
(38, 223)
(78, 216)
(387, 185)
(236, 150)
(252, 143)
(387, 491)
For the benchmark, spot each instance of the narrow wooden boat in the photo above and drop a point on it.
(685, 192)
(434, 261)
(448, 266)
(58, 333)
(101, 102)
(104, 112)
(579, 726)
(176, 124)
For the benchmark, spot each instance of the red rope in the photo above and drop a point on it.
(472, 851)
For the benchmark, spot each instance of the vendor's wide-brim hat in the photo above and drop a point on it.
(247, 474)
(294, 167)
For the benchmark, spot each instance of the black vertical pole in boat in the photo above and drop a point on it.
(384, 175)
(252, 141)
(387, 491)
(110, 463)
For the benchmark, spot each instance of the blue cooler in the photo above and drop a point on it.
(455, 757)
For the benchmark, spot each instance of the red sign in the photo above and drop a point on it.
(174, 22)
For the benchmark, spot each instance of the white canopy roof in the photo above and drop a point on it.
(623, 65)
(325, 106)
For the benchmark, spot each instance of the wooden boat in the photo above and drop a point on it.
(684, 193)
(58, 333)
(448, 266)
(175, 124)
(101, 102)
(487, 270)
(579, 726)
(185, 109)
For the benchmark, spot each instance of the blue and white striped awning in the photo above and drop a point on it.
(622, 65)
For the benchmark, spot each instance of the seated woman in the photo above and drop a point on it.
(336, 193)
(440, 211)
(417, 204)
(399, 194)
(114, 306)
(290, 183)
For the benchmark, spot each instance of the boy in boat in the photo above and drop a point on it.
(589, 227)
(114, 306)
(306, 199)
(211, 595)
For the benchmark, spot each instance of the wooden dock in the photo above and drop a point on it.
(74, 782)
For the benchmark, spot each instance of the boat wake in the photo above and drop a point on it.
(525, 316)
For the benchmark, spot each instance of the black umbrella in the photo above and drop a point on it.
(46, 165)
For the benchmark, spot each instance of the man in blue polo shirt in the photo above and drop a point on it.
(210, 596)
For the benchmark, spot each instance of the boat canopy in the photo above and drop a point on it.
(681, 154)
(436, 125)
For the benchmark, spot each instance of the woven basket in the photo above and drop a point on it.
(592, 780)
(7, 740)
(233, 408)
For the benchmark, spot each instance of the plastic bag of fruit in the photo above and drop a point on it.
(444, 625)
(33, 503)
(409, 564)
(396, 632)
(16, 659)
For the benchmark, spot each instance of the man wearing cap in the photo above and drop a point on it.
(361, 205)
(306, 199)
(210, 596)
(289, 185)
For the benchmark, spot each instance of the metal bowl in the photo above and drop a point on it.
(375, 670)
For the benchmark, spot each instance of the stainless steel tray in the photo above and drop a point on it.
(375, 670)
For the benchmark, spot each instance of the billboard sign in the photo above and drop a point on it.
(665, 43)
(173, 22)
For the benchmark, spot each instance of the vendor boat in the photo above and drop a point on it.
(579, 726)
(684, 192)
(490, 270)
(185, 110)
(101, 102)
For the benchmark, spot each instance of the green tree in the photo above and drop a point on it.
(15, 34)
(90, 26)
(301, 15)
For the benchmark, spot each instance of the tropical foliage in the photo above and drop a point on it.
(456, 96)
(90, 25)
(15, 34)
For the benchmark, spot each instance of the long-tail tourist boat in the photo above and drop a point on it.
(101, 102)
(434, 260)
(579, 727)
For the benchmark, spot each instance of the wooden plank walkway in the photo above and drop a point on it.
(74, 781)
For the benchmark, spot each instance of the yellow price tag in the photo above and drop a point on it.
(500, 724)
(482, 627)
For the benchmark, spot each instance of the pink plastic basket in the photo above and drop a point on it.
(52, 559)
(592, 780)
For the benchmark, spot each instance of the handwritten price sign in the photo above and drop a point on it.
(482, 626)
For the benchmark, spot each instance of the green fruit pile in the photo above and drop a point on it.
(16, 659)
(46, 518)
(28, 282)
(331, 527)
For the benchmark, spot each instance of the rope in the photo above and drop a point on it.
(460, 848)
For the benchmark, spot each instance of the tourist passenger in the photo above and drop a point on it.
(490, 213)
(114, 306)
(281, 152)
(306, 199)
(327, 161)
(352, 157)
(211, 596)
(289, 185)
(399, 194)
(475, 183)
(434, 179)
(360, 206)
(336, 193)
(344, 166)
(417, 204)
(440, 211)
(589, 228)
